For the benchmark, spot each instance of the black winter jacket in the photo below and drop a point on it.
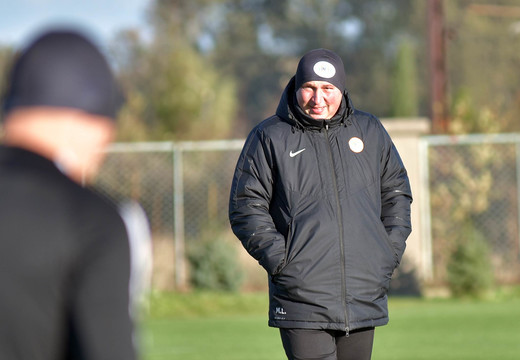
(64, 266)
(324, 206)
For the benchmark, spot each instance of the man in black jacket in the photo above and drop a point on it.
(64, 251)
(321, 199)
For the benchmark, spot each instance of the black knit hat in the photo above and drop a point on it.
(63, 68)
(321, 65)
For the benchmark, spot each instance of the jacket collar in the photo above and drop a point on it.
(289, 110)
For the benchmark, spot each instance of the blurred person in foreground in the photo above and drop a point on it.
(321, 199)
(65, 253)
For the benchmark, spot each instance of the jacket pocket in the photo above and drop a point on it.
(288, 242)
(386, 239)
(391, 260)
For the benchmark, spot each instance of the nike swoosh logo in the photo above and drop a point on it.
(293, 154)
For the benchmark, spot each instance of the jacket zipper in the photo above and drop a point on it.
(340, 225)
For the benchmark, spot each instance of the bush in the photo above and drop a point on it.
(214, 266)
(469, 268)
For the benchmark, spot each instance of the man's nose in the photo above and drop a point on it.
(318, 96)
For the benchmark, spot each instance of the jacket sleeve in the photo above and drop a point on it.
(250, 197)
(396, 197)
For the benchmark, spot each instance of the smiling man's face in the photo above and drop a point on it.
(319, 99)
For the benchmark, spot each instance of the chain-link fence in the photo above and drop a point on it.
(470, 186)
(183, 188)
(472, 191)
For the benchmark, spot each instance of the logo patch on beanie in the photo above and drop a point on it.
(324, 69)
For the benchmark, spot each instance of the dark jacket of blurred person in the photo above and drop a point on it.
(65, 261)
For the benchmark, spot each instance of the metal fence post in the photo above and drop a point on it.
(517, 145)
(427, 253)
(178, 211)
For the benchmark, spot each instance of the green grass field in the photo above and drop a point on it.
(234, 327)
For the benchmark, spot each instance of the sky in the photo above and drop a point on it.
(101, 19)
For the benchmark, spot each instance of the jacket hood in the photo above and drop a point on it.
(289, 110)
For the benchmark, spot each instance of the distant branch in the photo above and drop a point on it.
(495, 10)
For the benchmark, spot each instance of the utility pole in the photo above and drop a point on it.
(437, 63)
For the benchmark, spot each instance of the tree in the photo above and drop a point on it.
(190, 99)
(404, 92)
(255, 45)
(363, 33)
(258, 43)
(173, 88)
(131, 59)
(483, 57)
